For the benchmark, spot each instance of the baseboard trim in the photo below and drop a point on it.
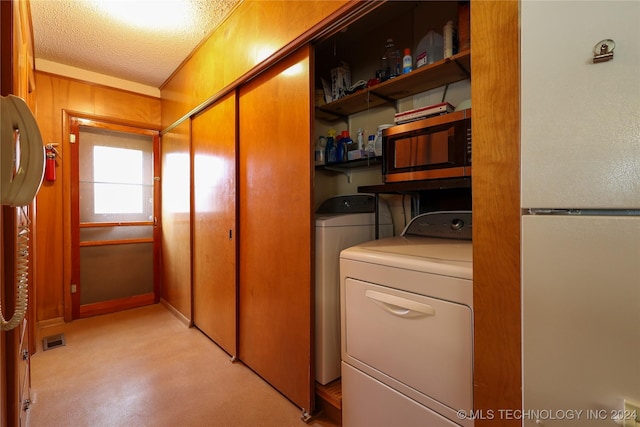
(111, 306)
(50, 322)
(181, 317)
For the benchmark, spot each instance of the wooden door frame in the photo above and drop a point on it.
(71, 124)
(496, 206)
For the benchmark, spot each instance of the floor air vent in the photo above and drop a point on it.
(52, 342)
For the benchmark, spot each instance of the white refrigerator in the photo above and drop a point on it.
(580, 160)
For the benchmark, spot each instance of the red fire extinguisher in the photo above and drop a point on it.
(50, 163)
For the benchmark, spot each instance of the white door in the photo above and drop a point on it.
(580, 120)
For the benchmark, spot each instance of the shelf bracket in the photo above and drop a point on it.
(345, 172)
(385, 98)
(463, 68)
(338, 116)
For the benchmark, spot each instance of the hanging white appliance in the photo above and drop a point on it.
(580, 148)
(21, 171)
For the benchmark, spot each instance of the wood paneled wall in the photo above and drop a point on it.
(255, 30)
(495, 91)
(23, 60)
(176, 218)
(55, 97)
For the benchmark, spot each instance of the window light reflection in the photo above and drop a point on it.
(209, 172)
(175, 185)
(294, 70)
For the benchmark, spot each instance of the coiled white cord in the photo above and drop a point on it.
(22, 279)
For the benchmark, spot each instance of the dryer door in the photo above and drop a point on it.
(424, 343)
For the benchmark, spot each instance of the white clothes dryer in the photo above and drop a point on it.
(341, 222)
(407, 326)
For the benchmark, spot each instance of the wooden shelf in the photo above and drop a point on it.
(352, 164)
(440, 73)
(414, 186)
(346, 168)
(331, 393)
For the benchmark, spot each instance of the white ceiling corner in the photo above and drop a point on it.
(75, 33)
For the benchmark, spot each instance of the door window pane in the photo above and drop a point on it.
(116, 176)
(117, 198)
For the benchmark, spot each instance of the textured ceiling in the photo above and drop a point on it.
(79, 34)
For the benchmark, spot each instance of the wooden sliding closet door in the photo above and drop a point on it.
(214, 222)
(275, 208)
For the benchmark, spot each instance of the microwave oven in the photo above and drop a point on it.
(431, 148)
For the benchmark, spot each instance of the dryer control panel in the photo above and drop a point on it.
(347, 204)
(446, 224)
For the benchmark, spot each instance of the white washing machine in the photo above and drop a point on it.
(407, 326)
(341, 222)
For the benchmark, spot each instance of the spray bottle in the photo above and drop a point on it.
(330, 148)
(360, 139)
(320, 150)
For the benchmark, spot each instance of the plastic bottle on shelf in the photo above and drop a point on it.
(377, 146)
(371, 152)
(320, 149)
(341, 152)
(430, 49)
(407, 61)
(450, 39)
(360, 139)
(390, 61)
(348, 146)
(330, 148)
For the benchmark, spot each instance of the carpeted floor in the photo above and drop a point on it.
(143, 367)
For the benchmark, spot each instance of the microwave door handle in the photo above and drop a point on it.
(399, 306)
